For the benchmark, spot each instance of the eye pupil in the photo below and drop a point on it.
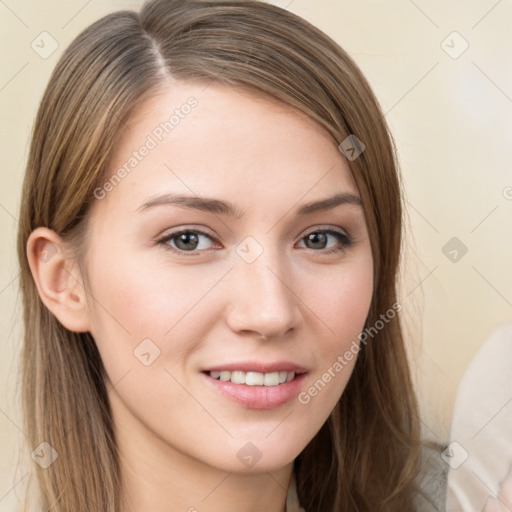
(185, 238)
(318, 238)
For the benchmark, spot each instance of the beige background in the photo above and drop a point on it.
(450, 115)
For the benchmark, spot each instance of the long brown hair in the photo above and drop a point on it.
(366, 456)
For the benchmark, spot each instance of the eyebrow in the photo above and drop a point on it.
(227, 208)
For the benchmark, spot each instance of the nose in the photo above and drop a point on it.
(262, 298)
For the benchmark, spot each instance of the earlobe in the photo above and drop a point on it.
(57, 278)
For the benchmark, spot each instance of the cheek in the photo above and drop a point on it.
(342, 307)
(350, 304)
(138, 308)
(343, 302)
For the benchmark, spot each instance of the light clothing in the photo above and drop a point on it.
(481, 432)
(292, 501)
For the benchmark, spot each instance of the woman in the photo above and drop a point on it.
(263, 366)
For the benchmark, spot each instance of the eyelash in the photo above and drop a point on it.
(343, 238)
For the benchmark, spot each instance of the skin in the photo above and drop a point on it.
(178, 437)
(503, 501)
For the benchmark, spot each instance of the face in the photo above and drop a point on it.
(222, 321)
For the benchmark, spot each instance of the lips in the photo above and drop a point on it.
(260, 367)
(257, 385)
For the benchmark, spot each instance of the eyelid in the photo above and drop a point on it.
(162, 240)
(325, 228)
(196, 228)
(346, 241)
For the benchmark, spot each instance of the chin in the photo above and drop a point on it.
(255, 457)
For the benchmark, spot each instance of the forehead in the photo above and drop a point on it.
(225, 142)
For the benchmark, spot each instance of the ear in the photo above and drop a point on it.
(57, 278)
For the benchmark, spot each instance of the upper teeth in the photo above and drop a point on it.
(254, 378)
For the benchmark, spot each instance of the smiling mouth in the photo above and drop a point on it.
(252, 378)
(258, 390)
